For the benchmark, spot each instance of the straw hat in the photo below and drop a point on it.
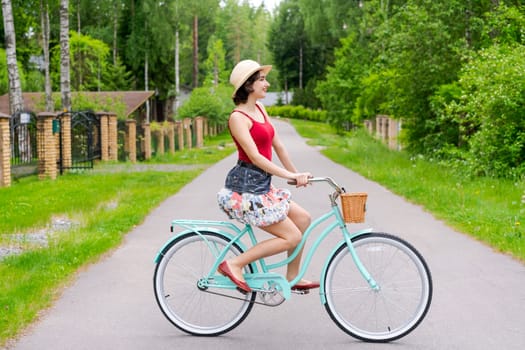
(243, 70)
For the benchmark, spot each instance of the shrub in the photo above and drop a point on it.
(297, 112)
(215, 103)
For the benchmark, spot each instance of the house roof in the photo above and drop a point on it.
(132, 99)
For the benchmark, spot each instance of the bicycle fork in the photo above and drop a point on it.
(362, 269)
(355, 257)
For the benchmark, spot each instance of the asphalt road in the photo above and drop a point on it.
(479, 295)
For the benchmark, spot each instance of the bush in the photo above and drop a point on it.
(215, 103)
(297, 112)
(492, 103)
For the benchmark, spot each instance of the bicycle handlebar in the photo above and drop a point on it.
(329, 180)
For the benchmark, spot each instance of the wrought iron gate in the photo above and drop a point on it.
(24, 150)
(85, 141)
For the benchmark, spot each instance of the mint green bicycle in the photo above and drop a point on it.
(375, 286)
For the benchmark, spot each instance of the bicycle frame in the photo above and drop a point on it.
(259, 278)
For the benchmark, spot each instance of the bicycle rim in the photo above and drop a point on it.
(400, 303)
(192, 310)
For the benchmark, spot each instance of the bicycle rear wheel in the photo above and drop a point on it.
(197, 311)
(396, 307)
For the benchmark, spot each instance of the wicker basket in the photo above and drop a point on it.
(353, 207)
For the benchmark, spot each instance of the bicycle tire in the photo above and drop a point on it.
(182, 264)
(397, 307)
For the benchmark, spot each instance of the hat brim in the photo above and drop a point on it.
(265, 69)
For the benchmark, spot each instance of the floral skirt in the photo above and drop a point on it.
(255, 209)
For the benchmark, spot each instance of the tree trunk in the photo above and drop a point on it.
(301, 67)
(177, 73)
(16, 101)
(146, 86)
(65, 80)
(44, 14)
(115, 33)
(195, 51)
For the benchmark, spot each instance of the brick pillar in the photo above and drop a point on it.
(171, 136)
(159, 134)
(130, 143)
(394, 126)
(65, 134)
(46, 147)
(199, 131)
(147, 141)
(5, 151)
(186, 123)
(112, 137)
(104, 139)
(206, 130)
(179, 130)
(369, 125)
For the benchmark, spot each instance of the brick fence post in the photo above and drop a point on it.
(113, 136)
(65, 134)
(199, 131)
(394, 127)
(179, 130)
(104, 138)
(5, 151)
(206, 127)
(147, 141)
(171, 137)
(187, 132)
(159, 134)
(47, 150)
(130, 144)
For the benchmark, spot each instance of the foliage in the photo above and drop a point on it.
(297, 112)
(215, 103)
(4, 80)
(91, 69)
(492, 103)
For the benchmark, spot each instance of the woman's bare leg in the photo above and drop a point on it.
(288, 235)
(287, 238)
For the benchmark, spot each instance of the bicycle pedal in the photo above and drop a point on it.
(301, 292)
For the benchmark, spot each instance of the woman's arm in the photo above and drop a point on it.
(240, 130)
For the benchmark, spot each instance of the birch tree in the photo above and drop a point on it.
(44, 18)
(16, 102)
(65, 87)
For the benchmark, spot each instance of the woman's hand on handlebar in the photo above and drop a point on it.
(300, 179)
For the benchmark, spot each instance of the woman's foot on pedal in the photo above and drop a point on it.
(304, 285)
(225, 270)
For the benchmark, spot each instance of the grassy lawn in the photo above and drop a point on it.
(101, 207)
(491, 210)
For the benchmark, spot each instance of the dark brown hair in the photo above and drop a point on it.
(241, 96)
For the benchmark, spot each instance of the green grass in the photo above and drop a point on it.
(103, 206)
(491, 210)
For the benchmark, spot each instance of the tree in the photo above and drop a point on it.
(44, 16)
(65, 88)
(16, 102)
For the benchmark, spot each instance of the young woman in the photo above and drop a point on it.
(248, 194)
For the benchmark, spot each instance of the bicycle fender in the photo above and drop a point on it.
(196, 230)
(322, 292)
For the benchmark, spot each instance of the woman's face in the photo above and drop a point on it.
(260, 86)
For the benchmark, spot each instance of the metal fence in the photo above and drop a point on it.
(24, 144)
(85, 141)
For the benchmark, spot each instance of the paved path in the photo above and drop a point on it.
(479, 296)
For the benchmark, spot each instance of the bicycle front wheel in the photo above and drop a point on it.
(198, 311)
(390, 311)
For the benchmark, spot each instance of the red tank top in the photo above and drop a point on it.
(262, 134)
